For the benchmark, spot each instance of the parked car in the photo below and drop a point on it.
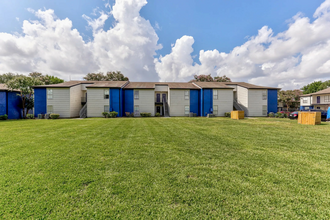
(293, 115)
(323, 113)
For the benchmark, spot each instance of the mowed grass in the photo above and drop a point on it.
(164, 168)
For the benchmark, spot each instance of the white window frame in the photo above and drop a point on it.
(264, 110)
(327, 98)
(49, 93)
(264, 95)
(136, 94)
(106, 108)
(215, 94)
(186, 94)
(215, 109)
(136, 110)
(50, 109)
(106, 94)
(305, 100)
(186, 110)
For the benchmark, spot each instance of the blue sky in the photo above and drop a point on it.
(215, 24)
(218, 25)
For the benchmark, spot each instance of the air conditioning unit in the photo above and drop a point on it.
(41, 116)
(47, 116)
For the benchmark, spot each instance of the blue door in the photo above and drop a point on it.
(158, 97)
(164, 98)
(318, 100)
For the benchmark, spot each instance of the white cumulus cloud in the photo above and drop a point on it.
(52, 46)
(288, 59)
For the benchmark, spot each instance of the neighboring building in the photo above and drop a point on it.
(318, 100)
(10, 103)
(70, 99)
(254, 100)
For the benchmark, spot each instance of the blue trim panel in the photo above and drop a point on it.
(207, 101)
(121, 103)
(194, 101)
(40, 101)
(304, 107)
(328, 114)
(14, 105)
(129, 100)
(201, 102)
(272, 101)
(3, 102)
(115, 101)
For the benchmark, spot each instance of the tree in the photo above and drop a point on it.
(223, 78)
(209, 78)
(289, 96)
(47, 79)
(7, 77)
(324, 85)
(109, 76)
(312, 87)
(25, 85)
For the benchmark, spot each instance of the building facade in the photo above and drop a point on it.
(10, 103)
(318, 100)
(166, 99)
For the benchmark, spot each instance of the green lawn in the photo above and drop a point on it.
(167, 168)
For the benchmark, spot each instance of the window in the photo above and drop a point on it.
(215, 94)
(49, 93)
(327, 98)
(136, 94)
(106, 108)
(264, 95)
(305, 100)
(106, 94)
(215, 109)
(136, 110)
(50, 109)
(318, 107)
(186, 109)
(186, 95)
(264, 110)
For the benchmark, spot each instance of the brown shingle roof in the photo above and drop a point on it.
(249, 86)
(107, 84)
(3, 87)
(64, 85)
(174, 85)
(213, 85)
(141, 85)
(93, 84)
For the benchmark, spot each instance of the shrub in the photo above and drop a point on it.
(227, 114)
(285, 115)
(113, 114)
(271, 114)
(105, 114)
(132, 114)
(157, 114)
(30, 116)
(3, 117)
(145, 114)
(54, 116)
(278, 115)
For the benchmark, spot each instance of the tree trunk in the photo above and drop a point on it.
(287, 107)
